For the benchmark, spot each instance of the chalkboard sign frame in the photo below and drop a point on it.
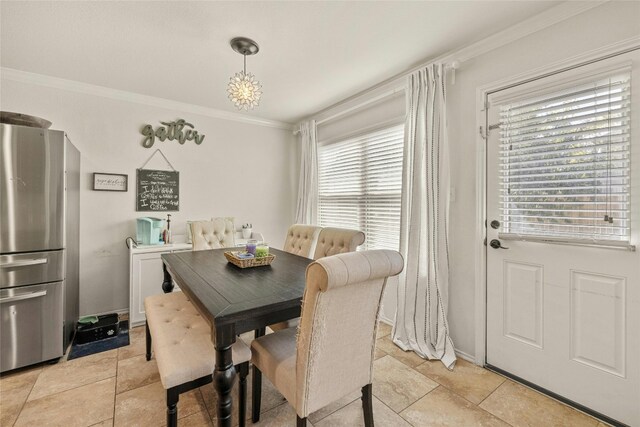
(167, 182)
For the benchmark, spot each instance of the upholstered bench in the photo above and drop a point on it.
(184, 352)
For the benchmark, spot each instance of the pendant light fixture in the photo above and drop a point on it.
(244, 90)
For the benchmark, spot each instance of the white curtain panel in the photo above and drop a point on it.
(421, 316)
(308, 182)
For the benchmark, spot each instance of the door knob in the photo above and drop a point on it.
(495, 244)
(495, 224)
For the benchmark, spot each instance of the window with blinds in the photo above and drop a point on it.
(565, 161)
(360, 184)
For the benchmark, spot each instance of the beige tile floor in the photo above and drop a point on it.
(120, 388)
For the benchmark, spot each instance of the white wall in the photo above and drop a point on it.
(242, 170)
(598, 27)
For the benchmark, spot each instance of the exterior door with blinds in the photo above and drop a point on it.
(360, 185)
(563, 217)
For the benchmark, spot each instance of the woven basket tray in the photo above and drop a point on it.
(248, 262)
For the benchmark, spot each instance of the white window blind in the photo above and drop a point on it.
(565, 161)
(360, 184)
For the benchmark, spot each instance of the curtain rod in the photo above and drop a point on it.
(543, 20)
(453, 65)
(362, 104)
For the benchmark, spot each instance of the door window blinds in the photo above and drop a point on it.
(565, 161)
(360, 186)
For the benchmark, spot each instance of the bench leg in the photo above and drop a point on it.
(172, 407)
(243, 371)
(148, 340)
(256, 389)
(301, 422)
(256, 385)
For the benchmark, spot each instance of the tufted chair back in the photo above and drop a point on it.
(214, 234)
(301, 239)
(337, 333)
(333, 241)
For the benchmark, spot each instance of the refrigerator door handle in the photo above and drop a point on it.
(23, 297)
(24, 263)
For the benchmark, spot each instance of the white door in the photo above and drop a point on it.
(563, 301)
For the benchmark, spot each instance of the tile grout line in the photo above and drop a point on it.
(27, 398)
(64, 391)
(417, 372)
(504, 379)
(494, 415)
(72, 388)
(414, 400)
(496, 389)
(342, 407)
(409, 422)
(489, 412)
(206, 407)
(68, 389)
(393, 410)
(546, 396)
(476, 405)
(115, 391)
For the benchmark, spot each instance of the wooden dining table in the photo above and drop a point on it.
(235, 300)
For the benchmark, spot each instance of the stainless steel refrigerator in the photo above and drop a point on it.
(39, 225)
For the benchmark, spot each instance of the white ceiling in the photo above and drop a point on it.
(312, 54)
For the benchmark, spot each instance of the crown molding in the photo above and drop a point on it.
(136, 98)
(529, 26)
(532, 25)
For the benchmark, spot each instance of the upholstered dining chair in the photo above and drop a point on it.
(301, 239)
(214, 234)
(333, 241)
(328, 241)
(331, 354)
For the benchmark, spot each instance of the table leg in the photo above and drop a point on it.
(223, 377)
(256, 385)
(167, 282)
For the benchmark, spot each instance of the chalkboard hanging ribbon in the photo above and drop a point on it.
(163, 156)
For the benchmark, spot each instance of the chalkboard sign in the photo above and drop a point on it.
(157, 191)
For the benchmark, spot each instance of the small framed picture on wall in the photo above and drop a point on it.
(110, 182)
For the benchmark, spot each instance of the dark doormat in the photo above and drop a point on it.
(81, 350)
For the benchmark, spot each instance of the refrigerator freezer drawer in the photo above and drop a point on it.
(30, 325)
(31, 268)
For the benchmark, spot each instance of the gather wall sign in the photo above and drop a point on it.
(178, 130)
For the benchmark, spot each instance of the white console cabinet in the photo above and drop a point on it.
(146, 276)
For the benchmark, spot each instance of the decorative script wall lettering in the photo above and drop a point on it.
(173, 131)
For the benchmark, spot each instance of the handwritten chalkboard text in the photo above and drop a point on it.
(173, 131)
(158, 190)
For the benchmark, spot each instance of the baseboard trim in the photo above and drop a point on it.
(386, 320)
(460, 354)
(466, 356)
